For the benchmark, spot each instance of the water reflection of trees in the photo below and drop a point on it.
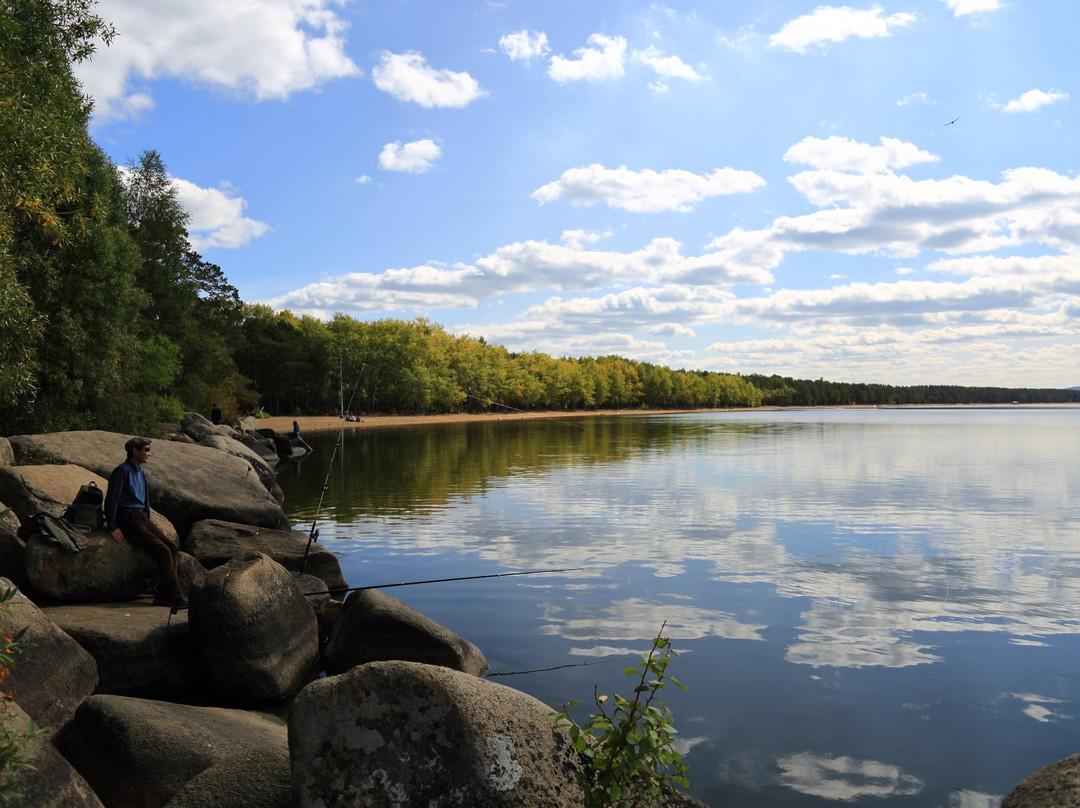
(401, 471)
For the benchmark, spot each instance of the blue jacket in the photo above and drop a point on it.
(127, 489)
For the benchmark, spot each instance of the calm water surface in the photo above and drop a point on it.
(879, 606)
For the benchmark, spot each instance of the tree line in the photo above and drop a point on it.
(782, 391)
(110, 319)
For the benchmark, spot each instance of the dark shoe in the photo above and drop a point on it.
(177, 603)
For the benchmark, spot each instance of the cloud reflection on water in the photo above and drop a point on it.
(884, 564)
(638, 619)
(845, 778)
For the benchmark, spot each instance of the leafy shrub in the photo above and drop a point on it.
(14, 756)
(630, 751)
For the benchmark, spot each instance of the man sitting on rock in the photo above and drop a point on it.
(127, 515)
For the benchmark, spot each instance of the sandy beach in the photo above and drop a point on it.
(328, 423)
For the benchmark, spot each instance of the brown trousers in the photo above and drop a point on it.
(162, 550)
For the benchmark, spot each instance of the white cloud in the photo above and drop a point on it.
(834, 24)
(919, 97)
(671, 330)
(363, 179)
(666, 66)
(645, 191)
(408, 77)
(264, 49)
(1058, 272)
(898, 303)
(413, 158)
(1033, 99)
(844, 154)
(603, 60)
(868, 212)
(579, 238)
(217, 217)
(961, 7)
(524, 46)
(1025, 348)
(525, 267)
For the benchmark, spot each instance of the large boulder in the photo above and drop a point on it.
(411, 735)
(137, 753)
(374, 627)
(264, 447)
(237, 449)
(282, 443)
(140, 649)
(214, 542)
(187, 483)
(51, 782)
(1053, 786)
(12, 548)
(198, 427)
(52, 673)
(256, 634)
(102, 571)
(254, 778)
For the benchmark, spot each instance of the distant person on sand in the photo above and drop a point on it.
(215, 415)
(295, 429)
(127, 516)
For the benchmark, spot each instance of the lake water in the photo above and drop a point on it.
(876, 606)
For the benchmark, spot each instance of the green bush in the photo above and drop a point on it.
(629, 745)
(14, 756)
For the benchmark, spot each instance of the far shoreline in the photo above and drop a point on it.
(333, 423)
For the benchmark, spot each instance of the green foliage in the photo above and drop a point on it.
(63, 237)
(14, 740)
(783, 391)
(629, 745)
(18, 334)
(416, 367)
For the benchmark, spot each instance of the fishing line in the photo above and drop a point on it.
(561, 420)
(329, 591)
(313, 534)
(562, 667)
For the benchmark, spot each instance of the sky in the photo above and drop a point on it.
(876, 192)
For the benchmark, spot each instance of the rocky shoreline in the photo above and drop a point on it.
(279, 687)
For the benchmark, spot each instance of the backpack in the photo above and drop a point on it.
(85, 511)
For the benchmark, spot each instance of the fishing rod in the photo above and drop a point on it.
(313, 534)
(338, 591)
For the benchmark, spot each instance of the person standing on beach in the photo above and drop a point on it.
(127, 516)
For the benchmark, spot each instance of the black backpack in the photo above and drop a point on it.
(85, 511)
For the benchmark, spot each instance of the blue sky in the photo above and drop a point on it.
(879, 192)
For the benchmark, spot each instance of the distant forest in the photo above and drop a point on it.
(110, 319)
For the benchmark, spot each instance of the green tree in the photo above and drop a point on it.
(63, 235)
(188, 300)
(629, 744)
